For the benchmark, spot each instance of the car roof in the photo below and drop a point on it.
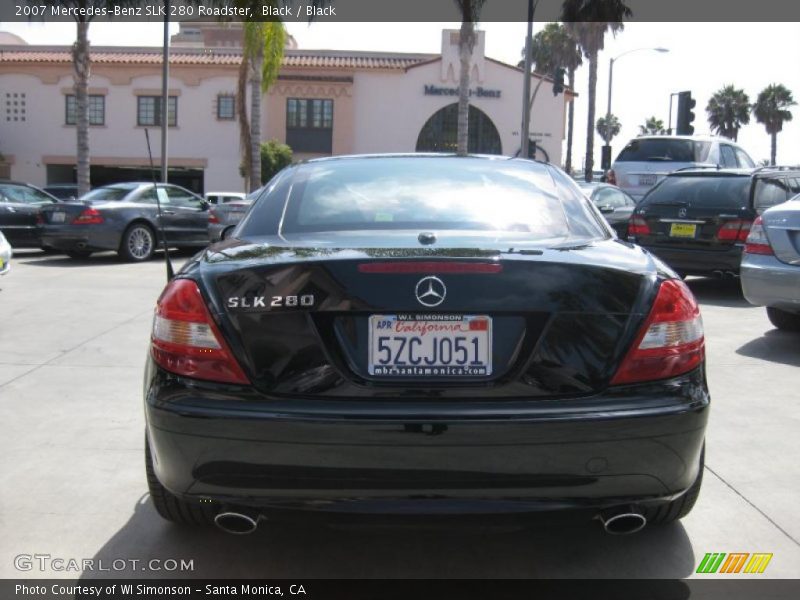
(417, 155)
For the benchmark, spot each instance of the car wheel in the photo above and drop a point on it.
(78, 254)
(172, 508)
(680, 507)
(783, 319)
(138, 243)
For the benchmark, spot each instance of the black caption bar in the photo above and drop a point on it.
(414, 589)
(381, 10)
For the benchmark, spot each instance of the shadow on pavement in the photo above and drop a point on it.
(774, 346)
(40, 259)
(718, 292)
(557, 547)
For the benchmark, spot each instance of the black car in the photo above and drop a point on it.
(697, 220)
(616, 205)
(394, 334)
(20, 207)
(124, 217)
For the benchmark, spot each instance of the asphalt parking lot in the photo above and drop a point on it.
(73, 338)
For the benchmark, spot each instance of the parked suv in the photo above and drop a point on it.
(646, 160)
(697, 220)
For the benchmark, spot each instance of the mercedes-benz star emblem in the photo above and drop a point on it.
(682, 213)
(430, 291)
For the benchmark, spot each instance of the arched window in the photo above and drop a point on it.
(440, 133)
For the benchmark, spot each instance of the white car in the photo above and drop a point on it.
(647, 159)
(223, 197)
(5, 255)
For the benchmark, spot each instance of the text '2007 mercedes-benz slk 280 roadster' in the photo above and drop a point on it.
(425, 333)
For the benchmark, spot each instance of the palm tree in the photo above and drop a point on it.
(262, 53)
(588, 21)
(470, 13)
(607, 130)
(554, 48)
(772, 110)
(727, 110)
(652, 126)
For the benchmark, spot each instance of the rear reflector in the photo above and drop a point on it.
(670, 342)
(734, 231)
(185, 339)
(638, 226)
(89, 216)
(757, 241)
(429, 267)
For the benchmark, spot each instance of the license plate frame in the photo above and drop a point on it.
(683, 230)
(430, 330)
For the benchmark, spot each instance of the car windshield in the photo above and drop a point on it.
(730, 192)
(663, 150)
(107, 193)
(22, 194)
(395, 193)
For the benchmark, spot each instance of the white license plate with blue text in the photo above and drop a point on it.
(430, 345)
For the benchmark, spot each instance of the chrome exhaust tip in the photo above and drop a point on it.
(237, 523)
(623, 523)
(731, 275)
(717, 274)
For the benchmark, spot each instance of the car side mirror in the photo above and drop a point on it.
(204, 205)
(606, 209)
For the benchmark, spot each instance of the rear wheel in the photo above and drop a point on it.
(78, 254)
(783, 319)
(172, 508)
(679, 508)
(138, 243)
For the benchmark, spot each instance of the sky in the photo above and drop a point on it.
(702, 58)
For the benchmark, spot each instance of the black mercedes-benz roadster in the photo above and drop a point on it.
(425, 333)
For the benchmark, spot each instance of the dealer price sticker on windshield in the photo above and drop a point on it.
(432, 345)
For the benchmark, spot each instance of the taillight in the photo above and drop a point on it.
(89, 216)
(39, 219)
(757, 241)
(213, 218)
(638, 226)
(670, 342)
(734, 231)
(185, 339)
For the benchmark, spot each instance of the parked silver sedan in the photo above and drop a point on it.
(770, 271)
(5, 255)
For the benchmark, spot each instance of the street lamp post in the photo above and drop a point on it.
(606, 162)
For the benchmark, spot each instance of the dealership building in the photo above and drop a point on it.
(325, 102)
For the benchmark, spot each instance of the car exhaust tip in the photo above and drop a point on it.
(622, 523)
(236, 523)
(731, 275)
(718, 274)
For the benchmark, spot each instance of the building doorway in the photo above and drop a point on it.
(440, 132)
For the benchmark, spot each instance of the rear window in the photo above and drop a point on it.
(106, 193)
(430, 193)
(717, 191)
(664, 150)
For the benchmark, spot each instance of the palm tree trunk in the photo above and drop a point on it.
(82, 66)
(773, 152)
(255, 121)
(244, 122)
(589, 167)
(570, 122)
(465, 45)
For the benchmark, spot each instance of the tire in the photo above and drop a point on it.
(680, 507)
(783, 320)
(78, 254)
(172, 508)
(138, 243)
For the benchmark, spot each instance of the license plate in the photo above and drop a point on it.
(57, 217)
(683, 230)
(647, 179)
(430, 346)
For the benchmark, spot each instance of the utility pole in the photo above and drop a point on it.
(526, 88)
(165, 94)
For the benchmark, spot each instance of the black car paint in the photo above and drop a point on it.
(19, 220)
(313, 431)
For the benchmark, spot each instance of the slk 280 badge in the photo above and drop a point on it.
(304, 301)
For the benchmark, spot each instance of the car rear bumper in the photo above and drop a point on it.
(22, 236)
(79, 237)
(699, 262)
(766, 281)
(640, 444)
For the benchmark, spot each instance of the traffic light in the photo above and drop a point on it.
(685, 115)
(558, 81)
